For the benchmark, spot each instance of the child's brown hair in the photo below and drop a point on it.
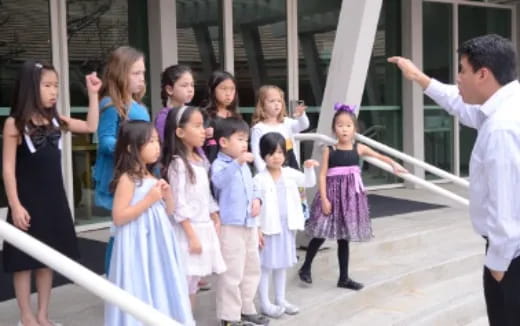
(115, 79)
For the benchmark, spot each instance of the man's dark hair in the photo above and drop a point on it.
(227, 127)
(493, 52)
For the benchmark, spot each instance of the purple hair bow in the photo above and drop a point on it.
(345, 107)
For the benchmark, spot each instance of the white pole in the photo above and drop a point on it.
(407, 176)
(415, 179)
(412, 160)
(84, 277)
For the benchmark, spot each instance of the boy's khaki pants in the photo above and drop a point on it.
(236, 287)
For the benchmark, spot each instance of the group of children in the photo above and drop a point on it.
(184, 201)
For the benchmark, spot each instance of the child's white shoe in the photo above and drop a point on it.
(273, 311)
(290, 309)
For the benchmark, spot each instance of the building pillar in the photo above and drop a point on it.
(60, 60)
(162, 29)
(413, 98)
(350, 58)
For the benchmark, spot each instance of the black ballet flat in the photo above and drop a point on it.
(305, 276)
(350, 284)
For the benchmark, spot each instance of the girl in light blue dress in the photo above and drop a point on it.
(145, 260)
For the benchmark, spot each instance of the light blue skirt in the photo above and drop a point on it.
(279, 250)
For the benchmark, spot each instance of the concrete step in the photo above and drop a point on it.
(385, 276)
(420, 306)
(482, 321)
(402, 236)
(461, 312)
(409, 252)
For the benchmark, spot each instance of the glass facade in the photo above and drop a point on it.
(381, 115)
(475, 21)
(381, 112)
(438, 55)
(95, 28)
(260, 47)
(199, 40)
(25, 34)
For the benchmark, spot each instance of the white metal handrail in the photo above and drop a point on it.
(412, 160)
(380, 164)
(84, 277)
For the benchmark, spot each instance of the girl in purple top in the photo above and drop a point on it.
(221, 103)
(177, 89)
(340, 209)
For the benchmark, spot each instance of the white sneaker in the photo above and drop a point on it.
(273, 311)
(290, 309)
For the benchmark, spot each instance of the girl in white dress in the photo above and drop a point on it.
(196, 218)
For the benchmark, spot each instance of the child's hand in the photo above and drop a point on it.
(21, 218)
(93, 83)
(398, 168)
(255, 207)
(209, 132)
(326, 206)
(155, 193)
(216, 221)
(299, 111)
(311, 163)
(166, 190)
(245, 157)
(195, 247)
(261, 241)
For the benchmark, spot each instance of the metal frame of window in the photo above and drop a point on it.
(455, 42)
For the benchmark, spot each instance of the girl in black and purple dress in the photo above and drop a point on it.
(340, 209)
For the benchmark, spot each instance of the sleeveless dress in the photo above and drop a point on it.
(41, 192)
(350, 218)
(146, 263)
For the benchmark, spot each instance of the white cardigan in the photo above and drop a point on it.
(270, 216)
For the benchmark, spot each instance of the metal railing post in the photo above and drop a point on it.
(408, 177)
(84, 277)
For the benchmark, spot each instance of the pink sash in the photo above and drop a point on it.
(346, 170)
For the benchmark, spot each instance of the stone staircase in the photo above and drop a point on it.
(421, 268)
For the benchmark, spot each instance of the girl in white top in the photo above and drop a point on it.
(271, 116)
(280, 218)
(196, 218)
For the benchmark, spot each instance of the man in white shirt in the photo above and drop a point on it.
(487, 98)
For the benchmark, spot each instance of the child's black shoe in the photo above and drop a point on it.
(305, 276)
(235, 323)
(350, 284)
(255, 319)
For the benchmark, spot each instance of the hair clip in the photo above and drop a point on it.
(38, 65)
(344, 107)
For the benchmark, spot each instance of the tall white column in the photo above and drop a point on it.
(60, 60)
(162, 32)
(292, 52)
(227, 36)
(357, 26)
(413, 98)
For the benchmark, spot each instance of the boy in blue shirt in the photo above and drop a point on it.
(239, 208)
